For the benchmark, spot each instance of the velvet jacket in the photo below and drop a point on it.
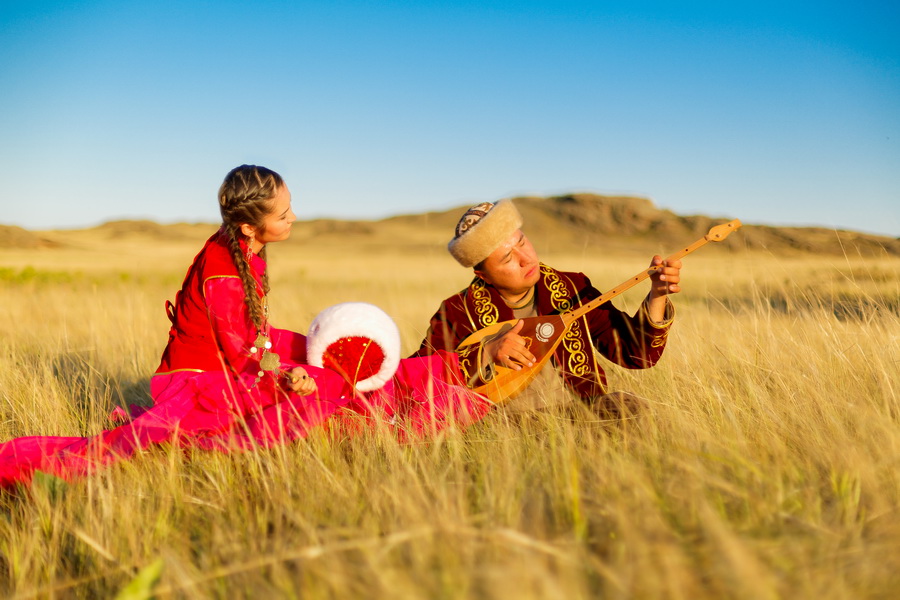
(633, 342)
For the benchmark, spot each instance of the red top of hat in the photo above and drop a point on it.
(355, 357)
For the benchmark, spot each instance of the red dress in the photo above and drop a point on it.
(210, 392)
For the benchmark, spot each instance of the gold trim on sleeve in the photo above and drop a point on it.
(669, 314)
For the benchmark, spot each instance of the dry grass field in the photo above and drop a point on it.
(767, 464)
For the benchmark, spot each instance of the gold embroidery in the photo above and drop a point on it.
(214, 277)
(487, 312)
(577, 363)
(466, 362)
(659, 340)
(668, 315)
(561, 300)
(178, 371)
(559, 296)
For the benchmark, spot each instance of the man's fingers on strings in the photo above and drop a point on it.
(507, 362)
(525, 357)
(516, 359)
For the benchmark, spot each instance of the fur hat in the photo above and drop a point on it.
(357, 340)
(482, 229)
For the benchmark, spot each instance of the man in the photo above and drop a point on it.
(511, 283)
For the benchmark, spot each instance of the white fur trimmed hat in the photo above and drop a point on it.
(482, 229)
(357, 340)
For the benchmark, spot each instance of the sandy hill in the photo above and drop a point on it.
(573, 222)
(576, 222)
(17, 237)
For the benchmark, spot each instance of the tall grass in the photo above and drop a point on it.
(765, 466)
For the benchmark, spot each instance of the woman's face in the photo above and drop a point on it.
(276, 227)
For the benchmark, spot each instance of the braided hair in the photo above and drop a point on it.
(246, 197)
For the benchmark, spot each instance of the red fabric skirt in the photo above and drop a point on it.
(213, 411)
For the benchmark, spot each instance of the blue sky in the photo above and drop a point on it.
(772, 112)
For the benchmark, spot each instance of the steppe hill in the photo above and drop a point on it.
(568, 223)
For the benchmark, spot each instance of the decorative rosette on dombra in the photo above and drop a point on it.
(357, 340)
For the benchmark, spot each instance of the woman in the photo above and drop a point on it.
(229, 380)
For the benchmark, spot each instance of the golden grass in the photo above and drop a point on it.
(765, 467)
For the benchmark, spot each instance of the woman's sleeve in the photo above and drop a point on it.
(289, 345)
(230, 322)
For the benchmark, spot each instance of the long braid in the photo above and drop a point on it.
(245, 197)
(263, 254)
(251, 296)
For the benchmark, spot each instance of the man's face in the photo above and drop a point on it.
(513, 268)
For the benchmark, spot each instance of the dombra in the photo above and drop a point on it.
(544, 333)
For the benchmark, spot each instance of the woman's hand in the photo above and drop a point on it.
(300, 382)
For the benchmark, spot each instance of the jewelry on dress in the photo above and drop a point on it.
(262, 346)
(268, 361)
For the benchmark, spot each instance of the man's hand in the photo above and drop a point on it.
(662, 283)
(665, 280)
(510, 349)
(300, 382)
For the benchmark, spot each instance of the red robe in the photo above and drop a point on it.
(212, 332)
(197, 340)
(633, 342)
(207, 391)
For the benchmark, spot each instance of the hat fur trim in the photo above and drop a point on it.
(356, 319)
(485, 236)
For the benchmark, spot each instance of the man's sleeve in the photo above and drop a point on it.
(633, 342)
